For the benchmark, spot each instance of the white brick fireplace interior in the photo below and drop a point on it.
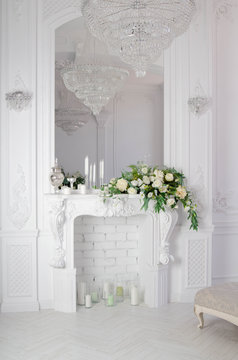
(108, 248)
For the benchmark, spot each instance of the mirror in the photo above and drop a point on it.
(127, 130)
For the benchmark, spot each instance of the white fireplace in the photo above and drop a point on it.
(109, 238)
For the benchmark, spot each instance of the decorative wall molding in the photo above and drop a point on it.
(19, 210)
(196, 274)
(19, 258)
(226, 203)
(224, 8)
(52, 7)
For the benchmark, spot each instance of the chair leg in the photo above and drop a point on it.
(199, 315)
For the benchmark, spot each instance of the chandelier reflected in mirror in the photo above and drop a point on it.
(93, 80)
(138, 30)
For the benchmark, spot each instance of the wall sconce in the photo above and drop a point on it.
(19, 99)
(199, 103)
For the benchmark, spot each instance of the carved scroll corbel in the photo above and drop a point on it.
(57, 213)
(168, 221)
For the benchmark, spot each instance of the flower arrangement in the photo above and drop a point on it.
(164, 187)
(79, 179)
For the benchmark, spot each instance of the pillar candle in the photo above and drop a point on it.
(86, 169)
(94, 174)
(90, 175)
(134, 296)
(88, 301)
(106, 290)
(81, 293)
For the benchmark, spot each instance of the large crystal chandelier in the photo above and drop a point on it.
(138, 30)
(91, 79)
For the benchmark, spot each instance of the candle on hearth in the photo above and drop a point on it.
(134, 296)
(106, 290)
(88, 301)
(110, 300)
(81, 293)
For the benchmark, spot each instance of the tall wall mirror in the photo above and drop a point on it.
(108, 132)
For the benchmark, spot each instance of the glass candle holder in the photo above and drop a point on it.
(119, 292)
(110, 301)
(95, 292)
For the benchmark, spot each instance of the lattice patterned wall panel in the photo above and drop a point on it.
(196, 274)
(51, 7)
(19, 271)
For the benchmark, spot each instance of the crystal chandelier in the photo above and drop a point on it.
(138, 30)
(91, 79)
(70, 120)
(18, 100)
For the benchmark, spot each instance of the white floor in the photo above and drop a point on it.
(121, 332)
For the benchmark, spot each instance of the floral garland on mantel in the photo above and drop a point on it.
(164, 187)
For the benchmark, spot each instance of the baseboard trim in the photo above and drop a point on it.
(46, 304)
(20, 307)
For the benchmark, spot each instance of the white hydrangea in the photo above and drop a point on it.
(134, 183)
(163, 189)
(157, 183)
(132, 191)
(169, 177)
(144, 170)
(122, 185)
(159, 174)
(140, 182)
(170, 202)
(146, 180)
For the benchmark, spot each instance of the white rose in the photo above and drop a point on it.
(181, 192)
(113, 181)
(169, 177)
(146, 180)
(150, 195)
(132, 191)
(159, 174)
(144, 170)
(140, 182)
(134, 183)
(157, 183)
(152, 178)
(122, 185)
(170, 202)
(163, 189)
(142, 187)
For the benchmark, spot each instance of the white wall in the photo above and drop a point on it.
(27, 145)
(225, 191)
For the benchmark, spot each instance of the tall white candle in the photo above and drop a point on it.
(90, 175)
(134, 296)
(81, 293)
(101, 172)
(88, 301)
(86, 169)
(94, 174)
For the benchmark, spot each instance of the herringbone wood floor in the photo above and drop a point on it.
(122, 332)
